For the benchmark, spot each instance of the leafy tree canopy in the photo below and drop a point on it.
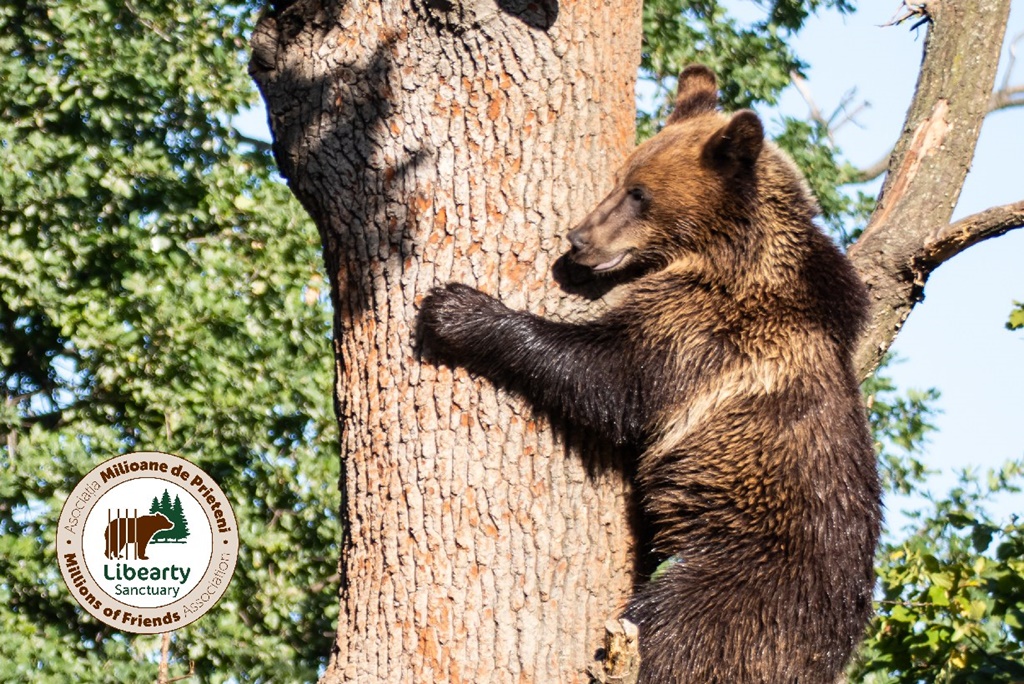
(951, 599)
(159, 289)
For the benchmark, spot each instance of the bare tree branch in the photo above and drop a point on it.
(872, 172)
(260, 145)
(851, 116)
(1011, 60)
(949, 241)
(902, 244)
(1006, 98)
(828, 123)
(800, 83)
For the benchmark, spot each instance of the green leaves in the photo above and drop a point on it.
(807, 142)
(752, 60)
(1016, 321)
(901, 425)
(153, 295)
(951, 594)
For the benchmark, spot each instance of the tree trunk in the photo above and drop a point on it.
(456, 140)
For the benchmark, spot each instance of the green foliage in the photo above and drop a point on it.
(807, 142)
(1016, 320)
(900, 423)
(951, 605)
(753, 59)
(159, 289)
(951, 588)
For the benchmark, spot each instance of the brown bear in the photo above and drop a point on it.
(726, 364)
(139, 530)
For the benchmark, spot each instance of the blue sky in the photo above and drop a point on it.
(955, 340)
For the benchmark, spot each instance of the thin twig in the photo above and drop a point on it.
(191, 673)
(1007, 98)
(911, 604)
(909, 9)
(260, 145)
(146, 22)
(1004, 97)
(165, 654)
(805, 92)
(852, 117)
(1011, 61)
(317, 587)
(829, 123)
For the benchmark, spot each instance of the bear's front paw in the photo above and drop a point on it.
(453, 316)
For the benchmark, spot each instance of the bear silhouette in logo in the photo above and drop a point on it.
(138, 530)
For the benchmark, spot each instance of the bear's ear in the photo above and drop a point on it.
(697, 93)
(736, 145)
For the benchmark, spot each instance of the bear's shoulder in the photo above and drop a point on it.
(156, 521)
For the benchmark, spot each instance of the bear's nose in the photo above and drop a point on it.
(577, 240)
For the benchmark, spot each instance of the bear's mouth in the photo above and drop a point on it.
(612, 263)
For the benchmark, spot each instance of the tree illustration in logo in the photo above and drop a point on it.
(173, 512)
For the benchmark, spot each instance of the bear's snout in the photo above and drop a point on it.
(578, 239)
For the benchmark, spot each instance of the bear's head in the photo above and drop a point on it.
(159, 521)
(706, 183)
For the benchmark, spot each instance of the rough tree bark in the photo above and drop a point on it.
(457, 140)
(438, 140)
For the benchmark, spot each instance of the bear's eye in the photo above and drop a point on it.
(638, 195)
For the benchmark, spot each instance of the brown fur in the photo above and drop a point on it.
(123, 531)
(727, 364)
